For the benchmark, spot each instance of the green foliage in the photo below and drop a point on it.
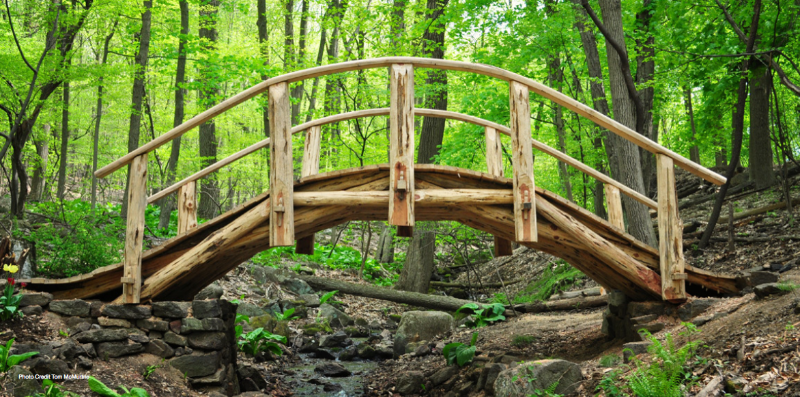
(787, 285)
(286, 315)
(238, 329)
(328, 295)
(609, 360)
(460, 353)
(51, 389)
(151, 369)
(609, 384)
(7, 361)
(522, 340)
(560, 278)
(258, 340)
(9, 303)
(483, 314)
(103, 390)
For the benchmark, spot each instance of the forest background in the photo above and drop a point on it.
(84, 82)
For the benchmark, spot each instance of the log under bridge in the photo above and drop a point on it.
(400, 192)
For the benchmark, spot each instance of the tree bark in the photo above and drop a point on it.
(137, 95)
(385, 251)
(64, 152)
(169, 204)
(645, 69)
(332, 89)
(263, 45)
(694, 151)
(760, 149)
(416, 275)
(288, 36)
(39, 174)
(433, 46)
(555, 78)
(102, 58)
(299, 88)
(209, 196)
(626, 154)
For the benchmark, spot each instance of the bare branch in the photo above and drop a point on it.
(16, 40)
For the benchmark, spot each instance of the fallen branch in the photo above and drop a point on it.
(443, 284)
(760, 210)
(758, 239)
(563, 304)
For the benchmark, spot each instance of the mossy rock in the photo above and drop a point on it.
(266, 321)
(282, 328)
(313, 328)
(395, 317)
(356, 332)
(361, 322)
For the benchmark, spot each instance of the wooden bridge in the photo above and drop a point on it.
(401, 193)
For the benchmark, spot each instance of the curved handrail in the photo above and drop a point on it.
(491, 71)
(420, 112)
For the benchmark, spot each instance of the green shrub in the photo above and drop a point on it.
(7, 361)
(484, 314)
(258, 340)
(560, 278)
(610, 360)
(51, 389)
(666, 374)
(460, 353)
(103, 390)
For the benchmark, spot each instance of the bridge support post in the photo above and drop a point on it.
(311, 154)
(670, 233)
(401, 151)
(187, 207)
(614, 202)
(281, 177)
(494, 166)
(134, 233)
(522, 159)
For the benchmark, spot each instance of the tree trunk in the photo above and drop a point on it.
(169, 204)
(64, 153)
(416, 275)
(626, 157)
(137, 95)
(332, 89)
(102, 59)
(385, 251)
(42, 150)
(433, 46)
(209, 193)
(288, 36)
(760, 160)
(694, 151)
(645, 69)
(263, 44)
(298, 90)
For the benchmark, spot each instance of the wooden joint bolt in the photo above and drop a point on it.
(526, 204)
(127, 280)
(401, 183)
(279, 210)
(679, 276)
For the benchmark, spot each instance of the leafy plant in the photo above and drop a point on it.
(484, 314)
(51, 389)
(9, 301)
(609, 384)
(329, 295)
(103, 390)
(151, 369)
(609, 360)
(460, 353)
(258, 340)
(665, 375)
(7, 361)
(239, 329)
(560, 278)
(286, 315)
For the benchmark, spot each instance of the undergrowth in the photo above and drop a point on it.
(554, 279)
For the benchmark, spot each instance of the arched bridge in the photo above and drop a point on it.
(401, 192)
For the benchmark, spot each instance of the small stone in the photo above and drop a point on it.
(153, 324)
(764, 290)
(156, 335)
(32, 310)
(85, 363)
(212, 291)
(139, 338)
(332, 370)
(128, 312)
(190, 324)
(159, 348)
(212, 324)
(214, 379)
(250, 378)
(422, 350)
(651, 327)
(114, 322)
(171, 309)
(312, 300)
(297, 286)
(107, 350)
(443, 375)
(338, 339)
(206, 309)
(196, 365)
(634, 349)
(46, 366)
(174, 339)
(175, 326)
(96, 308)
(366, 351)
(102, 335)
(761, 277)
(527, 377)
(250, 310)
(336, 318)
(35, 299)
(208, 340)
(74, 307)
(348, 354)
(410, 383)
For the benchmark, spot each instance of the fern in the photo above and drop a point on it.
(665, 375)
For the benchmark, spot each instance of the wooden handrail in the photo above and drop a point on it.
(486, 70)
(419, 112)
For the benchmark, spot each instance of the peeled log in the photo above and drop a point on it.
(563, 304)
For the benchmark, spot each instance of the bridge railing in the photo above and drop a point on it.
(401, 161)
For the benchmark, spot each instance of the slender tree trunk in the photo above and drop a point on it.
(64, 153)
(694, 151)
(645, 69)
(263, 45)
(137, 95)
(555, 78)
(102, 58)
(42, 151)
(332, 89)
(288, 36)
(168, 204)
(209, 193)
(628, 161)
(416, 274)
(433, 46)
(298, 90)
(760, 149)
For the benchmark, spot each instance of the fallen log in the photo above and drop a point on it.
(760, 210)
(563, 304)
(442, 284)
(758, 239)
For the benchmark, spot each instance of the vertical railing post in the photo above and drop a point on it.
(281, 177)
(311, 153)
(187, 207)
(401, 150)
(522, 161)
(670, 233)
(614, 202)
(134, 233)
(494, 166)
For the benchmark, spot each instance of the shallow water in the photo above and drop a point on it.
(305, 379)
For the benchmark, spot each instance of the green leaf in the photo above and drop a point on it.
(449, 352)
(327, 296)
(16, 359)
(101, 389)
(465, 355)
(137, 392)
(471, 305)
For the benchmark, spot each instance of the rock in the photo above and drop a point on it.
(212, 291)
(44, 366)
(312, 329)
(190, 324)
(312, 300)
(266, 321)
(32, 310)
(639, 309)
(761, 277)
(489, 376)
(95, 308)
(444, 374)
(525, 379)
(128, 312)
(250, 310)
(250, 379)
(153, 324)
(35, 299)
(617, 302)
(20, 382)
(297, 286)
(651, 327)
(634, 349)
(644, 319)
(764, 290)
(410, 383)
(88, 348)
(282, 328)
(336, 318)
(332, 370)
(69, 350)
(208, 340)
(85, 363)
(74, 307)
(356, 332)
(419, 325)
(102, 335)
(108, 350)
(196, 364)
(422, 350)
(171, 309)
(259, 273)
(139, 338)
(114, 322)
(159, 348)
(690, 310)
(366, 351)
(348, 354)
(299, 306)
(174, 339)
(206, 309)
(338, 339)
(214, 379)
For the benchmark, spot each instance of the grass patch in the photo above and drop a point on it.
(786, 285)
(609, 360)
(522, 340)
